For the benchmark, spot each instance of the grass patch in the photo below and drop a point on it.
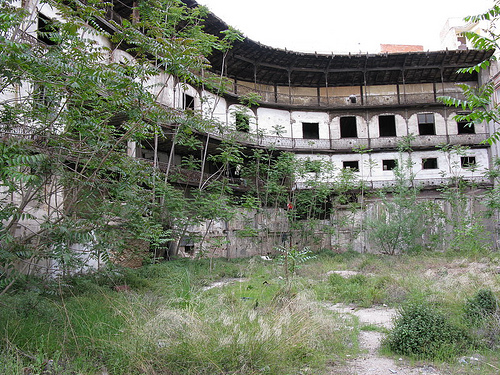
(170, 323)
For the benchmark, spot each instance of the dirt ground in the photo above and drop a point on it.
(370, 362)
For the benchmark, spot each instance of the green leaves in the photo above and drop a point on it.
(479, 101)
(78, 113)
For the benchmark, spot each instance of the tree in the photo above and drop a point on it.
(478, 101)
(65, 176)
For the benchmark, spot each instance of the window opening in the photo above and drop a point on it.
(353, 164)
(348, 127)
(46, 26)
(465, 127)
(387, 125)
(388, 165)
(188, 102)
(468, 161)
(242, 122)
(310, 130)
(429, 163)
(426, 124)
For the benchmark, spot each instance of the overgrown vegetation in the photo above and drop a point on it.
(172, 318)
(421, 331)
(169, 318)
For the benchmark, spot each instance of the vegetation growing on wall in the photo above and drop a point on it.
(66, 177)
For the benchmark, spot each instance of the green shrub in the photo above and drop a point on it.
(422, 332)
(484, 304)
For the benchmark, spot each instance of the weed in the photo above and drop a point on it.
(373, 328)
(360, 289)
(481, 306)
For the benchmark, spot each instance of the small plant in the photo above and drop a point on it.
(422, 332)
(292, 258)
(484, 304)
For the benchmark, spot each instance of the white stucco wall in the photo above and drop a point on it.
(270, 120)
(298, 117)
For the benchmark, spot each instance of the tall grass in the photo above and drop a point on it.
(231, 336)
(169, 323)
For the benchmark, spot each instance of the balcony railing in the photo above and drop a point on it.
(348, 144)
(382, 99)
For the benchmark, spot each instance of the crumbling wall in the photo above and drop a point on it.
(261, 232)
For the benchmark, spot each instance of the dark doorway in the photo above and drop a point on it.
(387, 125)
(348, 127)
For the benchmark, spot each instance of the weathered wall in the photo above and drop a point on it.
(253, 233)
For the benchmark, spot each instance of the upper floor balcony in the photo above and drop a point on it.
(348, 97)
(350, 144)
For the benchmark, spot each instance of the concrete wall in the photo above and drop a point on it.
(251, 233)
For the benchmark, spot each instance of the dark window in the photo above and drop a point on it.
(310, 130)
(242, 122)
(388, 165)
(46, 28)
(188, 102)
(348, 127)
(426, 124)
(465, 127)
(468, 161)
(430, 163)
(387, 125)
(352, 99)
(352, 165)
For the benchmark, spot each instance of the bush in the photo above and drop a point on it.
(484, 304)
(482, 312)
(422, 332)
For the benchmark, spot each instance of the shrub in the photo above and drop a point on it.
(423, 332)
(484, 304)
(482, 312)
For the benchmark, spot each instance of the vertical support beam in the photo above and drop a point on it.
(330, 116)
(365, 86)
(445, 115)
(255, 78)
(276, 93)
(318, 91)
(326, 89)
(289, 86)
(404, 85)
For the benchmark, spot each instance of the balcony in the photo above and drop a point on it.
(193, 178)
(364, 97)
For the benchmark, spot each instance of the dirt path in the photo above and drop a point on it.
(370, 362)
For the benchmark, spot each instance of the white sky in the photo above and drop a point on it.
(337, 26)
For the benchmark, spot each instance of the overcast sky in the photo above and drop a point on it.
(354, 26)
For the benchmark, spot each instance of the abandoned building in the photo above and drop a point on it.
(351, 111)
